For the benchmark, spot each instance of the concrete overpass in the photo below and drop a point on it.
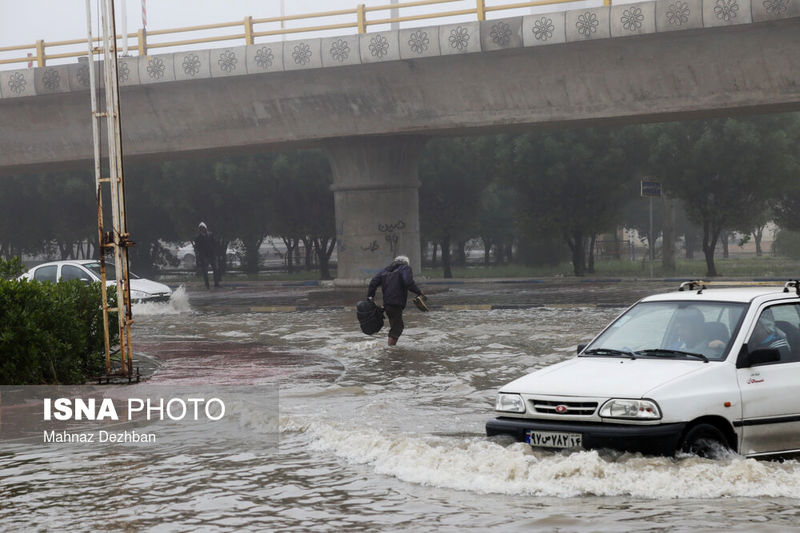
(371, 100)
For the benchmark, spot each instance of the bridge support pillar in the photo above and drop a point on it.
(375, 190)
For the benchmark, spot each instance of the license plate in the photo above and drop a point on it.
(554, 439)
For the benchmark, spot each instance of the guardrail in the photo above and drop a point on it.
(359, 19)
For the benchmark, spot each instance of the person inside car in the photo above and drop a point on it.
(692, 333)
(767, 335)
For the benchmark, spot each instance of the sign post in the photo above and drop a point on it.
(651, 189)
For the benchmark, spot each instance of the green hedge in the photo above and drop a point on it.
(51, 332)
(11, 268)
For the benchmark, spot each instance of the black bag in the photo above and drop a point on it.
(370, 316)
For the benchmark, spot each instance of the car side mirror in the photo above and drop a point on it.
(86, 281)
(580, 348)
(758, 357)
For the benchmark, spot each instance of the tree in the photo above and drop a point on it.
(21, 200)
(496, 221)
(151, 216)
(636, 215)
(756, 230)
(230, 195)
(572, 183)
(725, 171)
(246, 182)
(453, 172)
(301, 204)
(787, 208)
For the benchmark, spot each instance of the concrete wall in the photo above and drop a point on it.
(645, 61)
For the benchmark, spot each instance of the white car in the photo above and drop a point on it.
(142, 290)
(693, 371)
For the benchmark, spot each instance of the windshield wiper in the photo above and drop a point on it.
(609, 351)
(674, 352)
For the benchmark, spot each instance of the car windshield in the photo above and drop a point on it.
(111, 273)
(697, 330)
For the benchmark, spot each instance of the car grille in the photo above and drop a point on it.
(571, 408)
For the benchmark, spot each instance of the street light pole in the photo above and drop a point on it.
(652, 238)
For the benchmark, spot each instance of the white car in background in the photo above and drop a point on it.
(88, 271)
(695, 371)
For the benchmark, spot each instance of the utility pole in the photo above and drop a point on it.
(118, 239)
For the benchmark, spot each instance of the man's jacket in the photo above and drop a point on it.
(395, 281)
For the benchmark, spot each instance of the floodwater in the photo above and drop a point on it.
(376, 438)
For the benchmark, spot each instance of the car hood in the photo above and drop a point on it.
(604, 377)
(148, 286)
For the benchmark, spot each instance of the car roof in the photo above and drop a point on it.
(68, 262)
(738, 294)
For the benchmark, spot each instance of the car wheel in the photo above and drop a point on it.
(704, 440)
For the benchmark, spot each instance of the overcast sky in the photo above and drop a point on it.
(25, 21)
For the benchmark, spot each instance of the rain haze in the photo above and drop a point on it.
(553, 381)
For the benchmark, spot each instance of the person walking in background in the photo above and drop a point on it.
(395, 281)
(204, 252)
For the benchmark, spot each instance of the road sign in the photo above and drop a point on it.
(651, 188)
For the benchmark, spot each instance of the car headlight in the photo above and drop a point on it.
(138, 295)
(512, 403)
(634, 409)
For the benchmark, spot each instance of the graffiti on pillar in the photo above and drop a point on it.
(392, 239)
(389, 228)
(390, 236)
(371, 247)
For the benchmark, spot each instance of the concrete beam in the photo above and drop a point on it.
(630, 63)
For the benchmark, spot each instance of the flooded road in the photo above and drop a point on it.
(378, 438)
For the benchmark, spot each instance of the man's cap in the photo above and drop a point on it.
(402, 259)
(202, 225)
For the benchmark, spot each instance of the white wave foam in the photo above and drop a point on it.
(180, 300)
(482, 465)
(177, 304)
(234, 334)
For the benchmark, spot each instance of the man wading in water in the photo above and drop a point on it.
(395, 281)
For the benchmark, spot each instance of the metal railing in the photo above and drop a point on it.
(246, 30)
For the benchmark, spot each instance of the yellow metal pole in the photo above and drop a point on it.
(142, 35)
(248, 30)
(481, 9)
(362, 19)
(40, 59)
